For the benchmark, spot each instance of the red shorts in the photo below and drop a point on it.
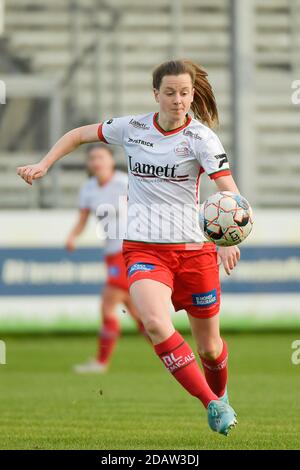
(116, 271)
(192, 274)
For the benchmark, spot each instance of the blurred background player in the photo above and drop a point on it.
(106, 186)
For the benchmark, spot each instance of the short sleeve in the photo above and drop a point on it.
(112, 131)
(212, 156)
(84, 198)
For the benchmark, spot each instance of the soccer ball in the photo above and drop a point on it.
(226, 218)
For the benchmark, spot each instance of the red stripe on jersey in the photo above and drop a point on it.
(179, 178)
(220, 173)
(173, 131)
(100, 133)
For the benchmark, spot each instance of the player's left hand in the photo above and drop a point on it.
(229, 257)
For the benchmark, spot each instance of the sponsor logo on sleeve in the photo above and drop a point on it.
(222, 159)
(140, 267)
(109, 121)
(189, 133)
(205, 299)
(139, 125)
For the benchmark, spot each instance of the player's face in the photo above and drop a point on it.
(175, 96)
(100, 162)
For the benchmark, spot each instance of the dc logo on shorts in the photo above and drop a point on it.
(140, 267)
(205, 299)
(114, 271)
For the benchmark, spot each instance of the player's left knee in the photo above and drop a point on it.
(210, 351)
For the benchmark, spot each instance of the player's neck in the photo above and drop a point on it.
(168, 125)
(103, 179)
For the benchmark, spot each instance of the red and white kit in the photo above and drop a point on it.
(109, 198)
(163, 239)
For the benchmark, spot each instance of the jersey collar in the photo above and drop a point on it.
(173, 131)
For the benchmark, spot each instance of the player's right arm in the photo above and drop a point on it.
(77, 229)
(65, 145)
(110, 132)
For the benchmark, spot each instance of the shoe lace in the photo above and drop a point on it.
(221, 408)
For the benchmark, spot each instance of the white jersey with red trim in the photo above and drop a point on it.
(164, 169)
(109, 203)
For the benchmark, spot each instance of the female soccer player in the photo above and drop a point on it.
(106, 188)
(165, 251)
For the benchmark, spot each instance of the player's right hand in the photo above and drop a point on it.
(70, 245)
(32, 172)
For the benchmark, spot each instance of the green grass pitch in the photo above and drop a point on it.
(138, 405)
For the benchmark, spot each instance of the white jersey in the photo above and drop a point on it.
(109, 203)
(164, 169)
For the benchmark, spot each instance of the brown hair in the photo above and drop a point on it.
(204, 105)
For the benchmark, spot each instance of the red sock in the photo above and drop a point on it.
(216, 371)
(108, 339)
(179, 359)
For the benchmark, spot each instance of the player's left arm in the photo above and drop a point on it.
(226, 183)
(213, 159)
(228, 255)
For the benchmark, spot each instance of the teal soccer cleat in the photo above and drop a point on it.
(221, 417)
